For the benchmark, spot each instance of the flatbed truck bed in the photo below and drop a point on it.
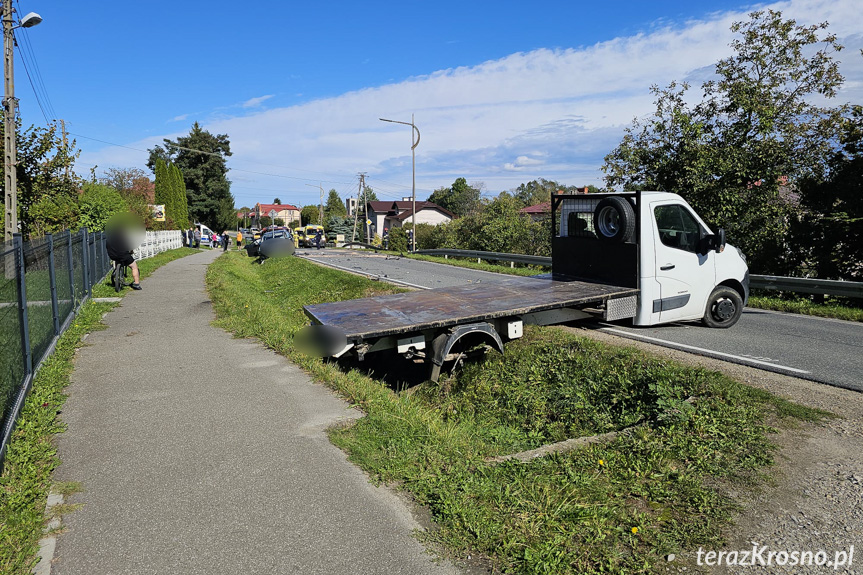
(404, 313)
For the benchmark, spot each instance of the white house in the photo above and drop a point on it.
(395, 214)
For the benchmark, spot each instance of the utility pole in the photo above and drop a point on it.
(321, 204)
(365, 206)
(9, 106)
(360, 195)
(65, 145)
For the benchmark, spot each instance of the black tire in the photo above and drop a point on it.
(117, 277)
(723, 308)
(614, 220)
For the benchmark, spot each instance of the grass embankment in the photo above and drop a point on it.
(618, 506)
(31, 456)
(805, 306)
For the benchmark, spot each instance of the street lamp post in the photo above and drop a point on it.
(414, 176)
(10, 104)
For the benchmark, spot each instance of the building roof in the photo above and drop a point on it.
(265, 208)
(399, 209)
(543, 208)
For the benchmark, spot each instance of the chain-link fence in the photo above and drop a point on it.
(43, 284)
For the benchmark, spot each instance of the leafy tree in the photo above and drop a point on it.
(757, 123)
(181, 205)
(334, 206)
(201, 157)
(461, 199)
(310, 215)
(277, 201)
(52, 214)
(828, 235)
(538, 191)
(398, 241)
(98, 204)
(45, 177)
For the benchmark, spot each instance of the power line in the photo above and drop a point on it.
(219, 155)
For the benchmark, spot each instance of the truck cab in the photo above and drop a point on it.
(656, 242)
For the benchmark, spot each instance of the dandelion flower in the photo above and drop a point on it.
(635, 530)
(601, 462)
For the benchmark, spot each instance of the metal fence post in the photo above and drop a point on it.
(52, 275)
(22, 305)
(85, 256)
(71, 272)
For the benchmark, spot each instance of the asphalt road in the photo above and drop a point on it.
(824, 350)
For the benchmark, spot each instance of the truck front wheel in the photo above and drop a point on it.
(723, 308)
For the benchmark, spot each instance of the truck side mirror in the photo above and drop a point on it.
(712, 242)
(719, 241)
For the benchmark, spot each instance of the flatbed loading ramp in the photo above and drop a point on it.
(398, 314)
(443, 316)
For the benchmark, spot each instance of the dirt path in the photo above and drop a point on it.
(816, 500)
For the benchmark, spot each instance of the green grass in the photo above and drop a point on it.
(31, 455)
(614, 507)
(501, 268)
(807, 307)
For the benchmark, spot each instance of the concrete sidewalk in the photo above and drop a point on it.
(207, 454)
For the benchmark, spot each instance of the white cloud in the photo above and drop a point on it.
(255, 102)
(179, 118)
(546, 113)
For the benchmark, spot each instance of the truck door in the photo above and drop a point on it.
(685, 277)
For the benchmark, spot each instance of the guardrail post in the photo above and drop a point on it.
(23, 318)
(52, 275)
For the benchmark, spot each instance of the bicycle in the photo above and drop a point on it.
(118, 276)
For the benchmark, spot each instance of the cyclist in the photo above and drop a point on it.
(119, 242)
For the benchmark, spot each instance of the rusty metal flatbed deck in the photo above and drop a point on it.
(443, 307)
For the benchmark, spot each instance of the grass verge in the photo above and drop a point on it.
(31, 455)
(807, 307)
(616, 507)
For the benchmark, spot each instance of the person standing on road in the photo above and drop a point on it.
(197, 238)
(214, 239)
(239, 240)
(225, 241)
(190, 235)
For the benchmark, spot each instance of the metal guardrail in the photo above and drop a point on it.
(808, 285)
(777, 283)
(490, 256)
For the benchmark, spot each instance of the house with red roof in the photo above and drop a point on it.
(286, 212)
(391, 215)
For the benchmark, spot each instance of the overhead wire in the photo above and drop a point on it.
(219, 155)
(34, 73)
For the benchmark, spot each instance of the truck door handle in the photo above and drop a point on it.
(667, 267)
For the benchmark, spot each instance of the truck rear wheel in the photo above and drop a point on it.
(614, 220)
(723, 308)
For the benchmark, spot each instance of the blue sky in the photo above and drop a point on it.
(503, 92)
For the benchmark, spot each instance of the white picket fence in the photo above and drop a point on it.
(158, 242)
